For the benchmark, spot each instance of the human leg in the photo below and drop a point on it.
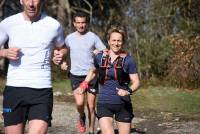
(91, 103)
(123, 117)
(123, 127)
(80, 101)
(106, 125)
(105, 114)
(91, 111)
(39, 118)
(37, 127)
(79, 98)
(22, 103)
(15, 129)
(40, 110)
(13, 112)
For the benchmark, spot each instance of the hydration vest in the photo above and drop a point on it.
(120, 74)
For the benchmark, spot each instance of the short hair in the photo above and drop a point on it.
(21, 2)
(81, 14)
(117, 29)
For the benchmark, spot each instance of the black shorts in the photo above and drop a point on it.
(76, 80)
(121, 112)
(21, 104)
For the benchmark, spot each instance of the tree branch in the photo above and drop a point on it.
(2, 3)
(90, 6)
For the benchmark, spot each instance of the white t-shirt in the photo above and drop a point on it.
(36, 41)
(81, 51)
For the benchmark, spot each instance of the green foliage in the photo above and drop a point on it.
(154, 57)
(148, 25)
(150, 30)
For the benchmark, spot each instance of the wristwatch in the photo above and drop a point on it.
(130, 91)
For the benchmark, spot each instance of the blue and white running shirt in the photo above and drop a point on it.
(36, 41)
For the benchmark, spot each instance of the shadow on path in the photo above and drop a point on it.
(133, 130)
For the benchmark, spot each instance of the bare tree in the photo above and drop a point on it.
(89, 11)
(61, 14)
(1, 9)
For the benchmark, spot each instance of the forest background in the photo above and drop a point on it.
(162, 35)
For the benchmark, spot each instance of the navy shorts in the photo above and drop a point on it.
(121, 112)
(76, 80)
(21, 104)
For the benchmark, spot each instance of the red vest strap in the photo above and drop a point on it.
(119, 63)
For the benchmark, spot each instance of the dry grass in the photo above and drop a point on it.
(2, 84)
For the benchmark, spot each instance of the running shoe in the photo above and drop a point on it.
(81, 124)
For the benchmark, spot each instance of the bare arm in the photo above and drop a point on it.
(91, 74)
(84, 85)
(2, 53)
(135, 83)
(11, 53)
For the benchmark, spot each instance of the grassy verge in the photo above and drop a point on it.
(62, 86)
(156, 98)
(167, 99)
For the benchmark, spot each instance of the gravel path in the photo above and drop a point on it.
(65, 117)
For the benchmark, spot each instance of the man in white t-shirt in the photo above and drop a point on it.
(82, 43)
(31, 36)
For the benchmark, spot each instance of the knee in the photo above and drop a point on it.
(79, 104)
(38, 127)
(38, 130)
(91, 108)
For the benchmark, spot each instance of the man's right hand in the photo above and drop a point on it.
(11, 53)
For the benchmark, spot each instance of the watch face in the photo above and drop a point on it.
(130, 90)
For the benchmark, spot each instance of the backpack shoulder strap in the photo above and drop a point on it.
(121, 59)
(123, 54)
(104, 58)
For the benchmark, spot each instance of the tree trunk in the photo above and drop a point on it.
(137, 52)
(65, 19)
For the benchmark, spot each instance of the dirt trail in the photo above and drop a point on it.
(65, 117)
